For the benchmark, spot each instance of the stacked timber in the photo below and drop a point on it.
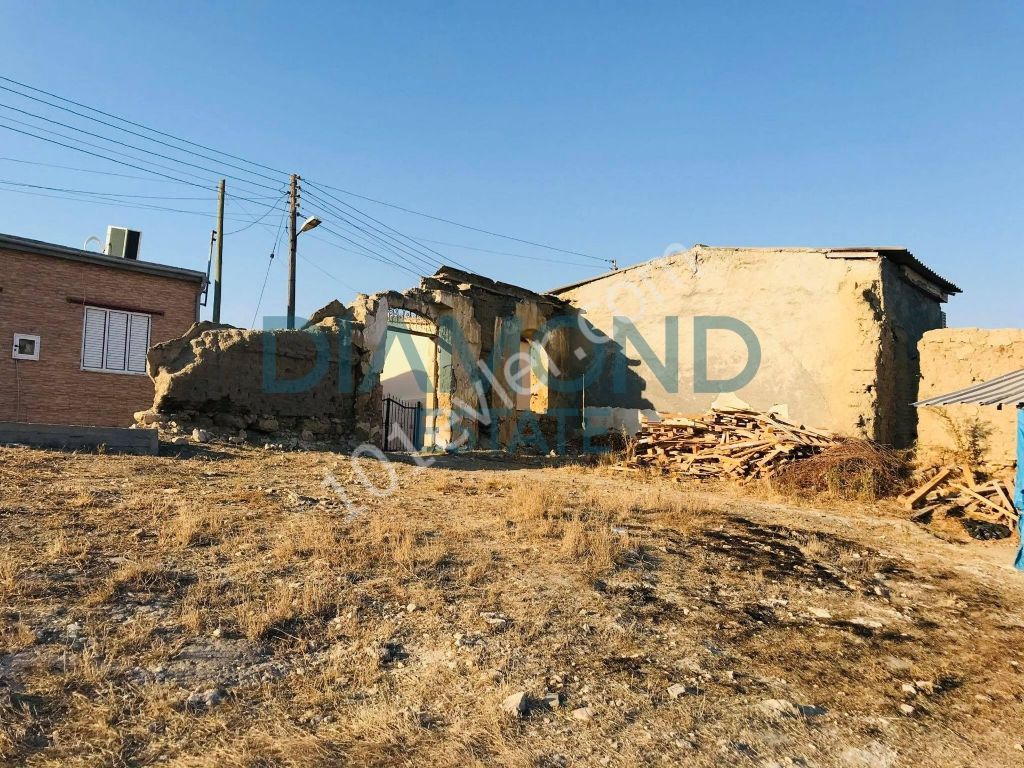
(956, 491)
(723, 443)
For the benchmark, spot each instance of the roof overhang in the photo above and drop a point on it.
(39, 248)
(912, 269)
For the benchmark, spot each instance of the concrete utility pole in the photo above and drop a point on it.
(219, 263)
(293, 239)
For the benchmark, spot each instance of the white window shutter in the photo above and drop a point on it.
(92, 338)
(138, 343)
(117, 340)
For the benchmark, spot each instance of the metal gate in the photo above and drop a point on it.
(401, 424)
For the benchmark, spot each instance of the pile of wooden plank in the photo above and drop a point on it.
(723, 443)
(956, 490)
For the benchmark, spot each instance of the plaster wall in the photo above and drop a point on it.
(954, 358)
(820, 321)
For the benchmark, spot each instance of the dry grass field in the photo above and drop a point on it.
(224, 607)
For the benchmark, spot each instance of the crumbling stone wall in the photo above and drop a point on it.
(325, 379)
(954, 358)
(478, 320)
(265, 381)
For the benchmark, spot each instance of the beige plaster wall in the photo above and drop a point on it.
(954, 358)
(819, 319)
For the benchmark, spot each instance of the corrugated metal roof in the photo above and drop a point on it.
(1007, 389)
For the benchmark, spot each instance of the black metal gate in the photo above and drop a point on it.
(401, 424)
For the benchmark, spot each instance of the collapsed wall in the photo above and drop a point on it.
(954, 358)
(325, 380)
(270, 382)
(481, 324)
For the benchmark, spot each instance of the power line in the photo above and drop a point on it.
(132, 133)
(103, 194)
(397, 249)
(102, 157)
(113, 159)
(273, 207)
(140, 125)
(364, 216)
(132, 146)
(377, 234)
(270, 263)
(111, 203)
(458, 224)
(363, 252)
(337, 279)
(504, 253)
(88, 170)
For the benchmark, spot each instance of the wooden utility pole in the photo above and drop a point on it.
(219, 263)
(293, 239)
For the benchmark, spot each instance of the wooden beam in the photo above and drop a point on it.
(926, 488)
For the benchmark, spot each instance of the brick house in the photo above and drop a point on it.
(79, 324)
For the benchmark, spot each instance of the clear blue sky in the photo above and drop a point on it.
(614, 129)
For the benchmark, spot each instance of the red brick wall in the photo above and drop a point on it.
(34, 293)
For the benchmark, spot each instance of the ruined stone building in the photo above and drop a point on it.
(833, 333)
(331, 378)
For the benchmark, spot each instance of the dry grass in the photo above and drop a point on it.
(850, 469)
(391, 634)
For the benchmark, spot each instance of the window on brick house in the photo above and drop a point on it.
(115, 341)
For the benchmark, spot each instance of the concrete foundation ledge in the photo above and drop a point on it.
(142, 442)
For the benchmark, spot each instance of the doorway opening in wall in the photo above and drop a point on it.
(531, 375)
(410, 376)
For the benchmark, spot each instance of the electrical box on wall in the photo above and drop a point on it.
(26, 347)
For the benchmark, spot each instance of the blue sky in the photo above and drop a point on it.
(611, 129)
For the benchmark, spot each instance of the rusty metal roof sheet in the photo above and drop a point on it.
(1007, 389)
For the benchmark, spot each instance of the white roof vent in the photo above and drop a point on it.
(123, 243)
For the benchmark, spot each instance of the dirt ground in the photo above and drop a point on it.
(225, 606)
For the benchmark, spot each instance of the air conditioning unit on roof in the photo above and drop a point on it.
(123, 243)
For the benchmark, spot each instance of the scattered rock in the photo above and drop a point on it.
(552, 700)
(204, 700)
(147, 417)
(200, 436)
(181, 440)
(897, 664)
(583, 713)
(906, 709)
(496, 620)
(73, 630)
(267, 424)
(819, 613)
(516, 704)
(676, 690)
(779, 708)
(926, 686)
(909, 689)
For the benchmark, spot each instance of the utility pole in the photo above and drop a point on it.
(219, 263)
(293, 239)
